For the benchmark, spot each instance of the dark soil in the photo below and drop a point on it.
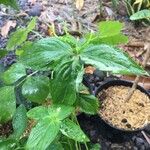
(108, 138)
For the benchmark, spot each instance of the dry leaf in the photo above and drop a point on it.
(32, 1)
(79, 4)
(6, 28)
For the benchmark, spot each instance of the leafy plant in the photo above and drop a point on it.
(12, 3)
(60, 94)
(143, 14)
(19, 124)
(138, 9)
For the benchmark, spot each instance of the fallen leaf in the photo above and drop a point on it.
(32, 1)
(79, 4)
(6, 28)
(22, 14)
(89, 69)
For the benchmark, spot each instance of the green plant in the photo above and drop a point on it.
(138, 9)
(142, 14)
(11, 3)
(62, 95)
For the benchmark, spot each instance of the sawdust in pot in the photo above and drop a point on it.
(130, 115)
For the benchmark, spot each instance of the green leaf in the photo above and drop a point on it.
(2, 53)
(63, 86)
(114, 40)
(55, 146)
(44, 52)
(7, 103)
(71, 40)
(25, 46)
(12, 3)
(20, 35)
(37, 113)
(36, 89)
(108, 58)
(73, 131)
(7, 144)
(88, 103)
(95, 147)
(60, 111)
(43, 134)
(19, 121)
(14, 73)
(110, 28)
(31, 24)
(68, 144)
(109, 33)
(17, 38)
(143, 14)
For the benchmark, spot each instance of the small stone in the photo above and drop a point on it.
(35, 10)
(139, 142)
(124, 120)
(128, 125)
(99, 74)
(92, 133)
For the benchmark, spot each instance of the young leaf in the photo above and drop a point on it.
(19, 121)
(110, 28)
(108, 58)
(73, 131)
(17, 38)
(31, 25)
(20, 36)
(7, 103)
(63, 86)
(43, 134)
(44, 51)
(109, 33)
(60, 111)
(14, 73)
(37, 113)
(12, 3)
(143, 14)
(88, 103)
(36, 89)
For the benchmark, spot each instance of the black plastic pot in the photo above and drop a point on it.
(117, 83)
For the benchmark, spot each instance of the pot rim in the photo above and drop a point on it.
(113, 82)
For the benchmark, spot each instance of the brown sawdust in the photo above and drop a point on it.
(129, 115)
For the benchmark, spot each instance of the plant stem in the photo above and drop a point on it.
(26, 78)
(79, 125)
(76, 144)
(146, 58)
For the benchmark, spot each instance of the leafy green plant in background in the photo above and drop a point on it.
(138, 9)
(59, 97)
(142, 14)
(12, 3)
